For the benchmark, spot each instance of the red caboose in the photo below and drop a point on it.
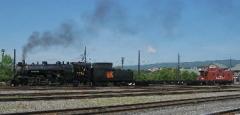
(214, 74)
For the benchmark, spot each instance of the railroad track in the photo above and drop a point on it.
(227, 112)
(89, 95)
(48, 93)
(46, 88)
(130, 107)
(70, 93)
(114, 87)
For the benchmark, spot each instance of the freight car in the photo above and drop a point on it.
(215, 75)
(74, 73)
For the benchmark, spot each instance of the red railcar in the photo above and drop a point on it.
(214, 74)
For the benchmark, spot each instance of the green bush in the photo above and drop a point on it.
(6, 68)
(164, 74)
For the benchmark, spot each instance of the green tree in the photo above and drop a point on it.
(6, 68)
(185, 75)
(164, 74)
(194, 75)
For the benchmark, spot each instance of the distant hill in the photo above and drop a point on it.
(185, 64)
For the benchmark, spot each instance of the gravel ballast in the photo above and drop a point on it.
(23, 106)
(190, 109)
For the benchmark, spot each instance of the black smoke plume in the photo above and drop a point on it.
(63, 36)
(222, 7)
(107, 14)
(172, 16)
(166, 14)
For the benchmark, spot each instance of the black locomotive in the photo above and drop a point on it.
(74, 73)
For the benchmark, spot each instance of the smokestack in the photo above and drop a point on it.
(139, 62)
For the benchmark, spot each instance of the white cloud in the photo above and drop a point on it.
(151, 50)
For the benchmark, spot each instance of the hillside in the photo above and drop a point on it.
(185, 64)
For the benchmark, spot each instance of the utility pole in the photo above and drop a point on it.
(178, 69)
(230, 63)
(3, 50)
(139, 56)
(122, 60)
(85, 55)
(14, 63)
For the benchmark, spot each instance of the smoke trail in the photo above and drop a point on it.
(64, 36)
(172, 16)
(166, 14)
(107, 14)
(221, 7)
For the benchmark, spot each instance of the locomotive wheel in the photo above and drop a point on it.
(23, 81)
(14, 83)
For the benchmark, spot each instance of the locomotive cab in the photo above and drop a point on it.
(81, 73)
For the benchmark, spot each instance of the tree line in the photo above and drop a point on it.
(165, 74)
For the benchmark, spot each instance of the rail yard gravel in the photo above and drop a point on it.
(24, 106)
(190, 109)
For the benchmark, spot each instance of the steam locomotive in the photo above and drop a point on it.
(74, 73)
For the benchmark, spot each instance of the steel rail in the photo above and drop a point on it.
(226, 112)
(104, 92)
(129, 107)
(105, 95)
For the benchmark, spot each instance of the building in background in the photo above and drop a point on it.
(236, 71)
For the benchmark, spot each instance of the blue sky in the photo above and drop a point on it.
(111, 29)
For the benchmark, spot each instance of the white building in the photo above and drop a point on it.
(236, 72)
